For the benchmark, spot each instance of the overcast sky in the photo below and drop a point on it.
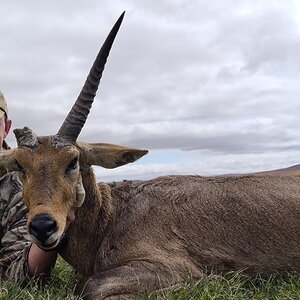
(209, 87)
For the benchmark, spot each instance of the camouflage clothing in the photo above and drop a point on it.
(14, 245)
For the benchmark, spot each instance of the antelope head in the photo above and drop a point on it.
(50, 167)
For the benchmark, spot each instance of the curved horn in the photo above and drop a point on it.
(77, 116)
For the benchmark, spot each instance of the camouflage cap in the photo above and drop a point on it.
(3, 105)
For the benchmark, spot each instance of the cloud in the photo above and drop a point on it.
(220, 78)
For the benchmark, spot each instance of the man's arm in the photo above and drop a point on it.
(40, 262)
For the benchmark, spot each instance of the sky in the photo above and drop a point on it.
(208, 87)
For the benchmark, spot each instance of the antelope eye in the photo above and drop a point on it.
(19, 167)
(72, 165)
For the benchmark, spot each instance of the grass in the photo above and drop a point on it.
(232, 286)
(61, 285)
(235, 286)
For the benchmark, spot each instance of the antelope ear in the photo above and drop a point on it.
(7, 162)
(107, 155)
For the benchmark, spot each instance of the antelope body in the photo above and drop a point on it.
(147, 235)
(153, 234)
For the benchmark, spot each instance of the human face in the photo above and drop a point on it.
(5, 125)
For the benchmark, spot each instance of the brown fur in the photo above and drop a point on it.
(152, 234)
(142, 236)
(46, 188)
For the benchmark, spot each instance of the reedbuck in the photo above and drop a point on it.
(147, 235)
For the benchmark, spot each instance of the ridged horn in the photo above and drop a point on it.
(26, 138)
(77, 116)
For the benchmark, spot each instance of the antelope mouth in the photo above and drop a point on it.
(50, 244)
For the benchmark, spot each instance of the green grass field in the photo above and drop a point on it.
(232, 286)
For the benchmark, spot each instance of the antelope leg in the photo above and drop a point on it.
(131, 279)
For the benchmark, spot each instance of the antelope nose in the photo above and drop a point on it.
(41, 227)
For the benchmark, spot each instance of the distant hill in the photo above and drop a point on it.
(293, 170)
